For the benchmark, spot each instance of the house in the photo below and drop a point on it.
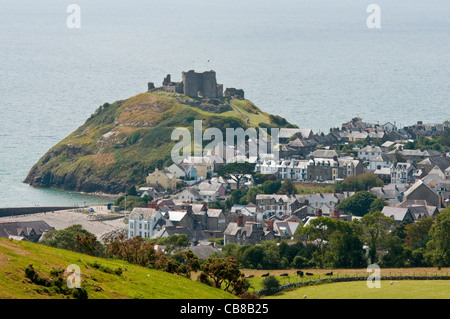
(437, 163)
(204, 170)
(144, 222)
(203, 252)
(298, 147)
(249, 233)
(392, 193)
(180, 218)
(286, 133)
(399, 214)
(148, 191)
(329, 169)
(184, 171)
(190, 194)
(369, 152)
(162, 178)
(409, 213)
(317, 201)
(415, 156)
(384, 173)
(402, 173)
(207, 191)
(167, 231)
(420, 208)
(210, 191)
(285, 169)
(328, 154)
(387, 127)
(25, 230)
(420, 191)
(283, 229)
(383, 160)
(215, 220)
(277, 205)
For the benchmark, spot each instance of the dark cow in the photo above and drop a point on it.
(285, 274)
(265, 275)
(329, 274)
(309, 274)
(300, 273)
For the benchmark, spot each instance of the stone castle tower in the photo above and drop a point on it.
(203, 84)
(194, 85)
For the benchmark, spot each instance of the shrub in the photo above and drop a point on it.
(271, 284)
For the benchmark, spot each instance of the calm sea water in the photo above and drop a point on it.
(314, 62)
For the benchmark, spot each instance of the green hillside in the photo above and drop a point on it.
(133, 281)
(122, 142)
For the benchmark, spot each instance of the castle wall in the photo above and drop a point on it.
(205, 83)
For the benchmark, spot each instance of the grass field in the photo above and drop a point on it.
(401, 289)
(256, 280)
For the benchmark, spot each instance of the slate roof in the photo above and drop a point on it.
(24, 228)
(146, 213)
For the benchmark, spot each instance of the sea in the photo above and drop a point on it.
(317, 63)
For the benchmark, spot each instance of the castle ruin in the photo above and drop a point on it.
(193, 85)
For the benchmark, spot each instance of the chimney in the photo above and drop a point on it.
(240, 221)
(269, 223)
(336, 213)
(306, 202)
(319, 213)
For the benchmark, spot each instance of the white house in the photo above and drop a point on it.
(143, 222)
(402, 173)
(381, 161)
(286, 169)
(369, 152)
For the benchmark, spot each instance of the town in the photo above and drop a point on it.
(267, 199)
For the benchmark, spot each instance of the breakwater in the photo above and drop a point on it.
(14, 211)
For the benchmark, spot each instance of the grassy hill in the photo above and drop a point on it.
(133, 282)
(122, 142)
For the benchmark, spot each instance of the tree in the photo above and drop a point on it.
(377, 205)
(251, 194)
(134, 250)
(288, 187)
(236, 171)
(74, 238)
(438, 248)
(445, 138)
(224, 274)
(361, 182)
(375, 227)
(271, 284)
(417, 233)
(319, 230)
(271, 187)
(358, 204)
(345, 248)
(132, 191)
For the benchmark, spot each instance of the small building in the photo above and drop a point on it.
(144, 222)
(26, 230)
(420, 191)
(249, 233)
(162, 178)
